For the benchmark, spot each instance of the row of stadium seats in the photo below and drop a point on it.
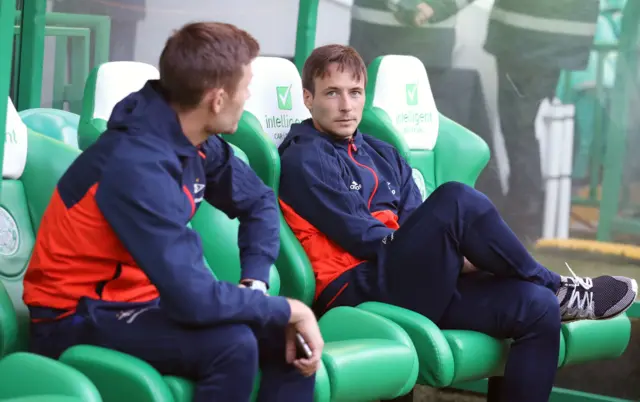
(374, 351)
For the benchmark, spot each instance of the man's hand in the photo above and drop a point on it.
(423, 13)
(468, 267)
(304, 321)
(410, 12)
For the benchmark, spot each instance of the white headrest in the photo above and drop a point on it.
(402, 89)
(117, 79)
(276, 96)
(15, 144)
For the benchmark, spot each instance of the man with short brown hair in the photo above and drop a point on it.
(115, 264)
(351, 201)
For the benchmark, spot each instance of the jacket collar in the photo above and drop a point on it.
(167, 123)
(356, 139)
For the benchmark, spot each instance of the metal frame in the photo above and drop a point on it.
(7, 12)
(626, 81)
(66, 28)
(31, 54)
(306, 31)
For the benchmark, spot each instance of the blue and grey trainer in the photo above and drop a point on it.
(600, 298)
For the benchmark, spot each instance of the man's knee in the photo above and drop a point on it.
(233, 347)
(461, 196)
(541, 311)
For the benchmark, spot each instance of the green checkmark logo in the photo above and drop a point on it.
(412, 94)
(284, 98)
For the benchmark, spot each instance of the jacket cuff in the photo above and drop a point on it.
(256, 267)
(280, 311)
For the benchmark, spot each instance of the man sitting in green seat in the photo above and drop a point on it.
(115, 264)
(352, 202)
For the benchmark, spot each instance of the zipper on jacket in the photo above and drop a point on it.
(352, 146)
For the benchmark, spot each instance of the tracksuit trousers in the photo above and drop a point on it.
(511, 297)
(223, 360)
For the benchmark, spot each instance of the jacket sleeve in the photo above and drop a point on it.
(443, 9)
(234, 188)
(405, 10)
(311, 184)
(410, 197)
(142, 204)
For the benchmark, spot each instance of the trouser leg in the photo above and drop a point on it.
(510, 308)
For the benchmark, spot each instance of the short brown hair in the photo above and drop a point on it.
(201, 56)
(317, 65)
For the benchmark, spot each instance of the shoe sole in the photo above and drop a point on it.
(634, 288)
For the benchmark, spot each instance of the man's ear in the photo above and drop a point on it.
(215, 98)
(308, 98)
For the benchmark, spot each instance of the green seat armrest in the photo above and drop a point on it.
(347, 323)
(322, 391)
(596, 340)
(23, 374)
(431, 345)
(460, 154)
(118, 376)
(181, 388)
(369, 369)
(476, 355)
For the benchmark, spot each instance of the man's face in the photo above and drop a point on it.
(337, 103)
(227, 108)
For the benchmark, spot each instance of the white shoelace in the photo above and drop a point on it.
(579, 307)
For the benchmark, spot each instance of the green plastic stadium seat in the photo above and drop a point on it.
(54, 123)
(29, 176)
(26, 375)
(363, 355)
(107, 84)
(401, 110)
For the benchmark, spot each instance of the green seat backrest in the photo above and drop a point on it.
(107, 85)
(400, 109)
(33, 164)
(275, 104)
(54, 123)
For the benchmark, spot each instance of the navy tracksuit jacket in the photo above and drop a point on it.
(115, 229)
